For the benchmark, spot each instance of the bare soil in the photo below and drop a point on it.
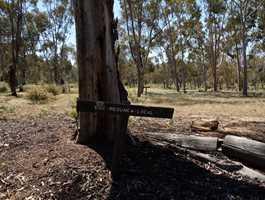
(38, 160)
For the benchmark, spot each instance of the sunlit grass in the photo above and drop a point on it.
(190, 104)
(201, 103)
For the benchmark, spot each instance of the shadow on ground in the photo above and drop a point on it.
(149, 172)
(38, 160)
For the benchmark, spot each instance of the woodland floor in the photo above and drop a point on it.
(38, 159)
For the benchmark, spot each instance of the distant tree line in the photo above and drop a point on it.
(196, 44)
(33, 42)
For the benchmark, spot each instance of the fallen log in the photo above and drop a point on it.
(204, 125)
(245, 150)
(187, 141)
(224, 163)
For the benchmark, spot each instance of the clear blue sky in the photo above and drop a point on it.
(117, 8)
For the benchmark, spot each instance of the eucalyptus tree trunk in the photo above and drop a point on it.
(98, 75)
(16, 30)
(184, 72)
(238, 69)
(214, 51)
(173, 68)
(245, 71)
(140, 82)
(205, 77)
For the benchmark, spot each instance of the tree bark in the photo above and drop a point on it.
(56, 73)
(213, 59)
(16, 26)
(204, 74)
(186, 141)
(238, 69)
(173, 68)
(205, 78)
(244, 51)
(245, 80)
(203, 125)
(140, 81)
(245, 150)
(98, 75)
(184, 71)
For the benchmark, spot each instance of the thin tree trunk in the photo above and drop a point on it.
(173, 70)
(175, 76)
(238, 69)
(212, 59)
(24, 69)
(215, 85)
(245, 80)
(205, 78)
(140, 81)
(204, 72)
(13, 66)
(56, 69)
(183, 72)
(12, 80)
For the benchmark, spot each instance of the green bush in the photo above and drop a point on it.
(72, 113)
(38, 94)
(3, 87)
(53, 89)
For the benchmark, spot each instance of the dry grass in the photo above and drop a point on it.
(193, 104)
(22, 107)
(203, 104)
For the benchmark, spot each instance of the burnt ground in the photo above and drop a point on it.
(38, 160)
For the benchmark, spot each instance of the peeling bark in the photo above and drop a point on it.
(98, 74)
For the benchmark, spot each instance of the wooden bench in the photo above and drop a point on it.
(145, 89)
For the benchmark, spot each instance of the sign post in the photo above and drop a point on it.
(124, 110)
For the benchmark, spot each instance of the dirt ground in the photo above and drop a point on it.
(39, 160)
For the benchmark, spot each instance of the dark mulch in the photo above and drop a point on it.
(38, 160)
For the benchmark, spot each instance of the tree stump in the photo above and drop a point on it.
(204, 125)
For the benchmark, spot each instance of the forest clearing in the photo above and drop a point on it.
(208, 104)
(132, 99)
(39, 159)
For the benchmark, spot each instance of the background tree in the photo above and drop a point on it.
(215, 27)
(59, 20)
(13, 10)
(245, 13)
(141, 18)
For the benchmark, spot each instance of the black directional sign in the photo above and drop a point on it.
(132, 110)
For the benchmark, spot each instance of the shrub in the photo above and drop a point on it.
(65, 89)
(53, 89)
(72, 113)
(38, 94)
(3, 87)
(73, 85)
(28, 87)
